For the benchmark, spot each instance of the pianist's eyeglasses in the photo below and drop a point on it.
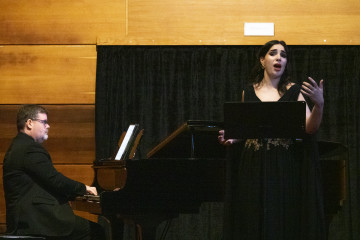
(42, 121)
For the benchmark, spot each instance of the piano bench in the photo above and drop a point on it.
(3, 237)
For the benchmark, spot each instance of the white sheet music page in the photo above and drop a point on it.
(125, 142)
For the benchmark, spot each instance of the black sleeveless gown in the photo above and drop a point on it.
(273, 187)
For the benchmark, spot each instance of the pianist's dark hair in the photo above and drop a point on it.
(28, 111)
(257, 73)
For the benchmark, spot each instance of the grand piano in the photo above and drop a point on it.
(186, 169)
(183, 171)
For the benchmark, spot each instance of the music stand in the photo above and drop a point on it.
(243, 120)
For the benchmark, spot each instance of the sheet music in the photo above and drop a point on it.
(125, 142)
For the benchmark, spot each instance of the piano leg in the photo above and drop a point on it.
(146, 225)
(114, 227)
(145, 232)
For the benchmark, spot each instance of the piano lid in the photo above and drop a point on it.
(193, 139)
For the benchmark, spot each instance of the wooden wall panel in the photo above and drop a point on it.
(222, 22)
(51, 74)
(60, 22)
(186, 22)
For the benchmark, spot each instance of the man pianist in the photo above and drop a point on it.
(36, 194)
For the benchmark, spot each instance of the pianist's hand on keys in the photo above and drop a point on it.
(91, 190)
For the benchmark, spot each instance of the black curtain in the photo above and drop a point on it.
(160, 87)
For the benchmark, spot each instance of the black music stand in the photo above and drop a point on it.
(244, 120)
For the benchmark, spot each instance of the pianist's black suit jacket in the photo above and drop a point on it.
(36, 193)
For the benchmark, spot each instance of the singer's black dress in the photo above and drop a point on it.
(274, 187)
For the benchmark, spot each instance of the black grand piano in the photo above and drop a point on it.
(180, 173)
(183, 171)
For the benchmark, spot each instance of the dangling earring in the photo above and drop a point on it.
(262, 66)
